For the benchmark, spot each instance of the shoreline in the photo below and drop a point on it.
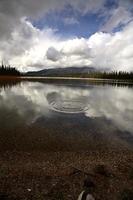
(97, 80)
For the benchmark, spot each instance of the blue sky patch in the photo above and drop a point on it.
(71, 23)
(86, 24)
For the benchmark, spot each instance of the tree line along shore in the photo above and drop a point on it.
(9, 71)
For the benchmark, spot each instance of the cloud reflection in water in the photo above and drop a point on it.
(101, 113)
(60, 103)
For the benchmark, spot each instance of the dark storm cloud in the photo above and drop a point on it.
(11, 11)
(53, 54)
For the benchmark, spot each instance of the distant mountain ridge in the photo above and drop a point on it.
(61, 71)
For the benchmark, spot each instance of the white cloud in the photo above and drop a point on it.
(76, 46)
(92, 6)
(119, 16)
(117, 108)
(70, 21)
(11, 11)
(46, 49)
(128, 3)
(109, 49)
(28, 48)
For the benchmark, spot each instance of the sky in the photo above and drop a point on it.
(43, 34)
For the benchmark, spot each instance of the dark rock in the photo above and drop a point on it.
(131, 174)
(76, 171)
(88, 183)
(126, 195)
(59, 196)
(5, 197)
(102, 170)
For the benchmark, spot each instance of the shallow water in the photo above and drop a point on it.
(65, 116)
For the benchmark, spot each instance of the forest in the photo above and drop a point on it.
(7, 70)
(110, 75)
(116, 75)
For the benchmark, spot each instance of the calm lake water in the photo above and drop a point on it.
(78, 116)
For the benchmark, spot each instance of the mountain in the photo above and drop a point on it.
(61, 71)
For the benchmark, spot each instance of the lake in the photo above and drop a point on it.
(65, 116)
(55, 134)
